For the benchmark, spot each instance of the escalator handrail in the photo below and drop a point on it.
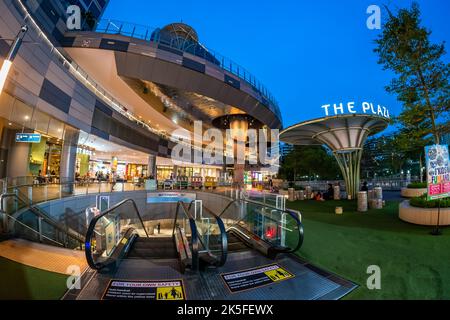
(91, 230)
(54, 223)
(223, 237)
(194, 233)
(293, 214)
(39, 214)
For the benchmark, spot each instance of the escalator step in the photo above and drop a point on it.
(154, 248)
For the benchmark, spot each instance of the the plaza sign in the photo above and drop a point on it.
(341, 108)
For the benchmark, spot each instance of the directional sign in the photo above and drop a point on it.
(28, 137)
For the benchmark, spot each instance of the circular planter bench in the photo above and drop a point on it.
(413, 193)
(423, 216)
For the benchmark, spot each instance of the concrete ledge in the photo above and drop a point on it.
(413, 193)
(423, 216)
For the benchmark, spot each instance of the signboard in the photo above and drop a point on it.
(171, 197)
(352, 107)
(102, 203)
(110, 233)
(255, 278)
(150, 185)
(28, 137)
(438, 171)
(145, 290)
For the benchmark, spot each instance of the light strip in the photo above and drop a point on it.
(4, 73)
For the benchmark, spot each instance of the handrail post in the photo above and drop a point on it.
(46, 193)
(30, 195)
(40, 228)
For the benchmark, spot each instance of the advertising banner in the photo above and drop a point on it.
(438, 171)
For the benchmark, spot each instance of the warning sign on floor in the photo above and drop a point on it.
(256, 277)
(145, 290)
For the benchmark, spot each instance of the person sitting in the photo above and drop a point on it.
(365, 187)
(330, 193)
(319, 197)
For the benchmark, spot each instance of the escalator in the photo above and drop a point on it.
(262, 227)
(235, 243)
(120, 234)
(153, 248)
(24, 221)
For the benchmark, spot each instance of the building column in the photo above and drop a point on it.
(14, 156)
(152, 166)
(68, 158)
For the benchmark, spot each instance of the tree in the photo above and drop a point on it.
(310, 161)
(422, 82)
(390, 154)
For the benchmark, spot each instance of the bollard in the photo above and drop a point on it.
(308, 190)
(301, 195)
(378, 193)
(339, 210)
(362, 201)
(337, 193)
(291, 193)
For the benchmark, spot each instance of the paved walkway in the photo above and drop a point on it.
(41, 256)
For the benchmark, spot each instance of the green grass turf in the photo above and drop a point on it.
(21, 282)
(414, 264)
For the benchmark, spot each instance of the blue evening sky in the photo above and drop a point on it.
(307, 53)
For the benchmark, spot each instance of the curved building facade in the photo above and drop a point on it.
(125, 84)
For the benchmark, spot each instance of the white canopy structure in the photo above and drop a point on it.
(345, 135)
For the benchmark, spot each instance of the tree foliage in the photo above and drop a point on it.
(309, 161)
(422, 78)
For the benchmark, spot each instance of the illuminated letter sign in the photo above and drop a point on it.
(334, 109)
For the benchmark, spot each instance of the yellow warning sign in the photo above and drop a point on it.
(169, 293)
(278, 274)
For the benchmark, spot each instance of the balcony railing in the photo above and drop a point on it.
(153, 35)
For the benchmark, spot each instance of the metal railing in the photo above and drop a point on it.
(153, 35)
(281, 228)
(212, 234)
(62, 235)
(87, 81)
(102, 252)
(194, 242)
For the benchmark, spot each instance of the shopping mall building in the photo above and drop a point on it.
(107, 97)
(90, 120)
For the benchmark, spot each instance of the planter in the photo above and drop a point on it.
(423, 216)
(413, 193)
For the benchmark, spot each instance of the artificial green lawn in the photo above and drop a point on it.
(414, 264)
(21, 282)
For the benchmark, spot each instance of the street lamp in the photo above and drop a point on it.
(11, 55)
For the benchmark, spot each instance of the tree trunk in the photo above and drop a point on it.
(430, 108)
